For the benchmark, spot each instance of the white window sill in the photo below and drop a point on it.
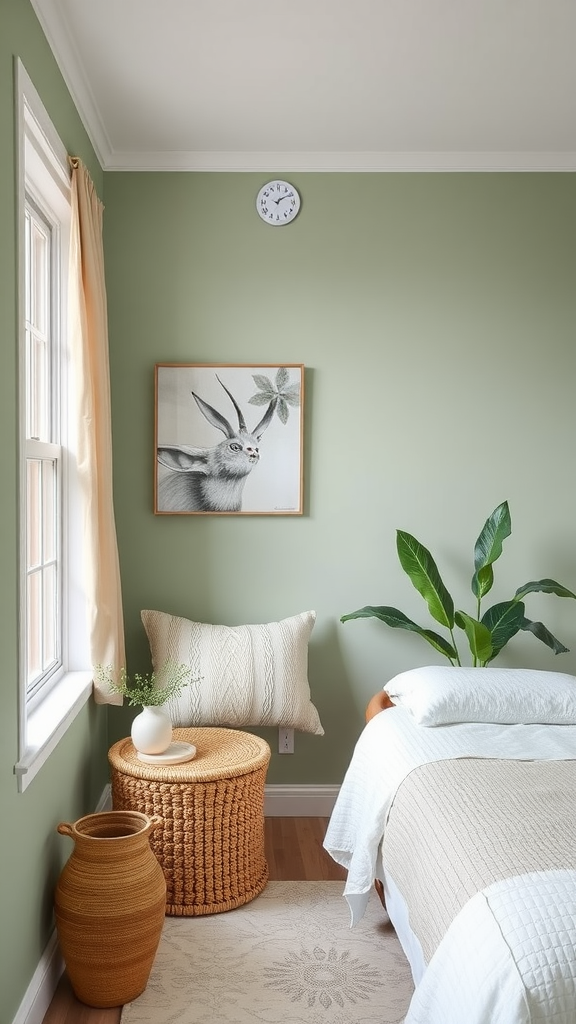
(48, 722)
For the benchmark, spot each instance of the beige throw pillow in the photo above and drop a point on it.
(241, 675)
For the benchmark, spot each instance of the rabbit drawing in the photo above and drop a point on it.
(211, 479)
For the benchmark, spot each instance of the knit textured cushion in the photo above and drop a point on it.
(240, 675)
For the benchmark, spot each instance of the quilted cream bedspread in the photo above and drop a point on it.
(457, 826)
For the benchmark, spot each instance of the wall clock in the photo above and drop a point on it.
(278, 202)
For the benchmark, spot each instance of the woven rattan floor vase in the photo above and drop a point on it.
(110, 905)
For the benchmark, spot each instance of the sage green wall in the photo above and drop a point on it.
(435, 316)
(74, 776)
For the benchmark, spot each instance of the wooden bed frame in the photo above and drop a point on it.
(379, 702)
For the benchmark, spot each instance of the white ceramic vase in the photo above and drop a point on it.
(151, 731)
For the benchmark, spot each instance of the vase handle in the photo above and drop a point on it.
(154, 821)
(65, 829)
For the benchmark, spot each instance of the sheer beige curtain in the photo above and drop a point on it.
(89, 329)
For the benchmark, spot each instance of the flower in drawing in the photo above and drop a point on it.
(324, 977)
(282, 392)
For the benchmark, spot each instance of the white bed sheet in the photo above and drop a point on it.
(397, 910)
(389, 748)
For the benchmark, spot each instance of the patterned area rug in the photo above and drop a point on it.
(288, 957)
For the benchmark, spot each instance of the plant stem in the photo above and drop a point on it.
(453, 638)
(475, 657)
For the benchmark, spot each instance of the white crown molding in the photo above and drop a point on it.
(49, 14)
(369, 162)
(61, 43)
(66, 55)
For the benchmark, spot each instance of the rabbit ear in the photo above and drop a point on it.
(241, 421)
(182, 459)
(214, 417)
(266, 420)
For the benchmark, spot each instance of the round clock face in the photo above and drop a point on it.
(278, 203)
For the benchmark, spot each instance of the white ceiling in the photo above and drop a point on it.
(321, 84)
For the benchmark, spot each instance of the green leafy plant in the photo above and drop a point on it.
(488, 634)
(149, 690)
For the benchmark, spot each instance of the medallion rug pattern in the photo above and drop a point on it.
(288, 957)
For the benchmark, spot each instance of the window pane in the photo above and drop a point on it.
(34, 626)
(49, 511)
(39, 399)
(50, 618)
(43, 598)
(39, 252)
(28, 299)
(38, 409)
(34, 519)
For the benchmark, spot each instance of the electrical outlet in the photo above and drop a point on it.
(285, 741)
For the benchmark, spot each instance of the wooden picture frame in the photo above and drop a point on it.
(228, 439)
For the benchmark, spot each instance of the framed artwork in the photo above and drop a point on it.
(228, 439)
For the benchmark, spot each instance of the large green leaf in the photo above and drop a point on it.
(503, 620)
(479, 636)
(544, 586)
(488, 548)
(395, 618)
(539, 630)
(418, 563)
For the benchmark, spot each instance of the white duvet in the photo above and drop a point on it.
(509, 957)
(501, 961)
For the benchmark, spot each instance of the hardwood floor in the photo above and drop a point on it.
(294, 852)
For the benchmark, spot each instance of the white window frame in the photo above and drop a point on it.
(42, 443)
(43, 178)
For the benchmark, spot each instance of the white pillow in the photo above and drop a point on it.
(438, 695)
(241, 675)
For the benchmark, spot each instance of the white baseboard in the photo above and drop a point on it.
(299, 801)
(34, 1006)
(105, 801)
(280, 801)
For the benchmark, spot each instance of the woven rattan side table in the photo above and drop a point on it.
(211, 846)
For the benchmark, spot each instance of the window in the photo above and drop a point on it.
(43, 498)
(54, 677)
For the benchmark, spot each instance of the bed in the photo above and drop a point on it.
(460, 802)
